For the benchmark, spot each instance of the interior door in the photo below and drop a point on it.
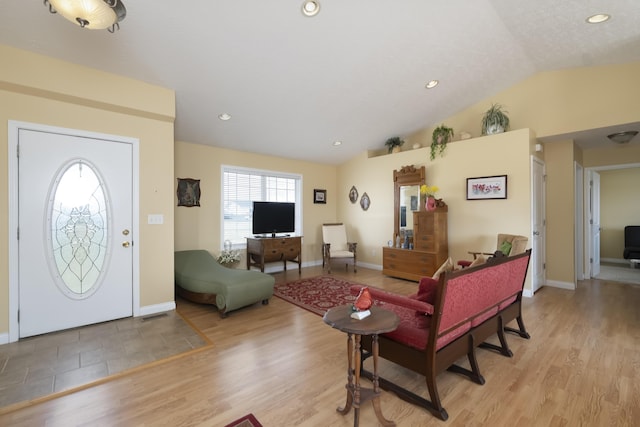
(75, 216)
(594, 208)
(538, 224)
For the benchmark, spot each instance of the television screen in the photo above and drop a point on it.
(273, 217)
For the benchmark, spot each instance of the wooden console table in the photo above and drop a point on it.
(274, 249)
(378, 322)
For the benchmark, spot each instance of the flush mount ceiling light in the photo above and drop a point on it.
(224, 117)
(598, 18)
(337, 143)
(432, 84)
(91, 14)
(623, 137)
(310, 7)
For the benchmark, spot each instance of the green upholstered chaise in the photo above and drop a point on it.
(200, 278)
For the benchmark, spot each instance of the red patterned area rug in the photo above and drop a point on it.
(246, 421)
(316, 294)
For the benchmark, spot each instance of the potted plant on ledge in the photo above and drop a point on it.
(495, 120)
(394, 144)
(441, 136)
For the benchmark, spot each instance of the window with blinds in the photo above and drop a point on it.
(241, 187)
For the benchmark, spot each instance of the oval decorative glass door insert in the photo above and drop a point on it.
(78, 232)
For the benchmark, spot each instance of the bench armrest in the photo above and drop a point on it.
(396, 299)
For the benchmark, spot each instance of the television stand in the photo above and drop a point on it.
(274, 249)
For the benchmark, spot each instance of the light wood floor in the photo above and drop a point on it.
(283, 364)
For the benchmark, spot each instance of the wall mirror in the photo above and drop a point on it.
(406, 183)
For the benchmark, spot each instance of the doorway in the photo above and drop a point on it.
(74, 209)
(603, 230)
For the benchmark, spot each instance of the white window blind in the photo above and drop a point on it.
(241, 187)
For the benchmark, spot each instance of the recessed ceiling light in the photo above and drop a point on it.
(432, 84)
(310, 7)
(598, 18)
(337, 143)
(224, 116)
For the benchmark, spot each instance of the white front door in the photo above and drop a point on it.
(538, 224)
(75, 201)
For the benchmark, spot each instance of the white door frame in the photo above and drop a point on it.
(13, 129)
(538, 244)
(578, 171)
(587, 202)
(595, 226)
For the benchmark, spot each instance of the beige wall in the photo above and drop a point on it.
(559, 102)
(473, 225)
(619, 207)
(199, 227)
(555, 103)
(71, 96)
(560, 251)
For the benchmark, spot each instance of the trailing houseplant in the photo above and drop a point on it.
(495, 120)
(441, 136)
(394, 142)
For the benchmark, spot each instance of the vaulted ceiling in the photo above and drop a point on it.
(355, 72)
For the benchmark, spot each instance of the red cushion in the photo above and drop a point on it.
(427, 290)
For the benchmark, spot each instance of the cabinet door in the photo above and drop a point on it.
(290, 248)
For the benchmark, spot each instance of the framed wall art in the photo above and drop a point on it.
(487, 187)
(320, 196)
(188, 192)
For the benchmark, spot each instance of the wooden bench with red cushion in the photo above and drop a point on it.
(465, 307)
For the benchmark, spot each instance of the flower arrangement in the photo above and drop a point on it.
(228, 257)
(429, 190)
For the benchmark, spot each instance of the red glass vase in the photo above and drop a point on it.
(430, 204)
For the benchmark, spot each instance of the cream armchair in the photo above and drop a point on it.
(508, 244)
(335, 246)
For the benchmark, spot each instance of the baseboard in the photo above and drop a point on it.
(371, 266)
(527, 293)
(276, 267)
(4, 338)
(562, 285)
(156, 308)
(615, 260)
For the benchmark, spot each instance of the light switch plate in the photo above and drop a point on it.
(155, 219)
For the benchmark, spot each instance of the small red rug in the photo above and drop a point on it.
(316, 294)
(246, 421)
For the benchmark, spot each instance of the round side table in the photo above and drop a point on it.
(380, 321)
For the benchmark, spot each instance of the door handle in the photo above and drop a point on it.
(536, 233)
(125, 244)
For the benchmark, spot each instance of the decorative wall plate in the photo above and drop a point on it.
(353, 194)
(365, 202)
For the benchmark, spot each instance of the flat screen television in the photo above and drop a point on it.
(273, 217)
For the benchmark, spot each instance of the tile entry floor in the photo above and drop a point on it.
(37, 366)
